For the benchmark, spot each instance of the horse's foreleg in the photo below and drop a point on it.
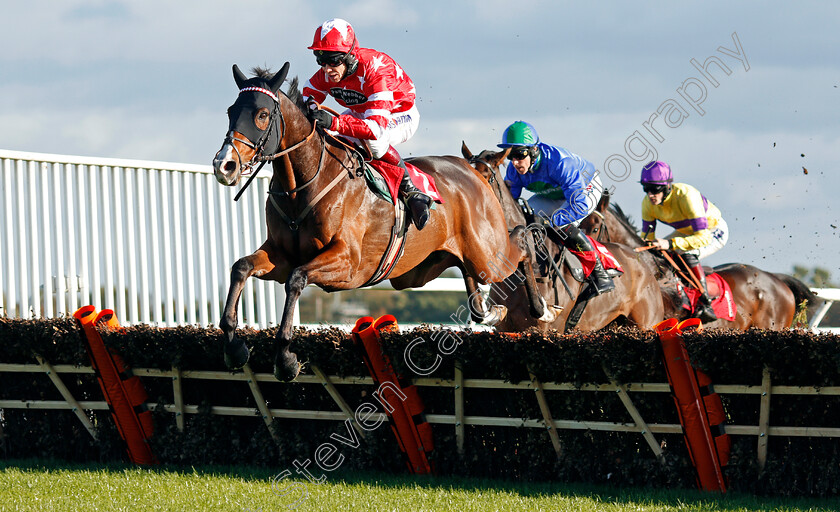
(286, 365)
(333, 266)
(479, 312)
(475, 301)
(538, 307)
(259, 264)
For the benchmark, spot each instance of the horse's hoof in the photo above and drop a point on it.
(550, 312)
(236, 357)
(496, 314)
(286, 368)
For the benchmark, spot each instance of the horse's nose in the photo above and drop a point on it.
(225, 166)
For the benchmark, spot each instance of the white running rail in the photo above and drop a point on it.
(152, 240)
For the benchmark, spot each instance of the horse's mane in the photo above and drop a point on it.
(625, 221)
(633, 232)
(294, 93)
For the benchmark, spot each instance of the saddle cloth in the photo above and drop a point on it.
(607, 257)
(392, 175)
(722, 302)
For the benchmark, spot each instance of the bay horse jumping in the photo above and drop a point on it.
(764, 300)
(636, 299)
(326, 228)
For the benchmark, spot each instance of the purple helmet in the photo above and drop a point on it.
(657, 172)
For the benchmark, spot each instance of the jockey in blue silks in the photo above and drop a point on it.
(566, 189)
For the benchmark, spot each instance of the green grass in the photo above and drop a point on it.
(34, 485)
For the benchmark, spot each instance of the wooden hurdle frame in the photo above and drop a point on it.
(762, 432)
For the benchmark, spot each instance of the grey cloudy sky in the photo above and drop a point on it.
(151, 80)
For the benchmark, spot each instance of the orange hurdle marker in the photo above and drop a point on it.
(400, 401)
(698, 413)
(123, 390)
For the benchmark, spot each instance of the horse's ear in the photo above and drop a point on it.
(239, 77)
(278, 78)
(503, 154)
(604, 202)
(465, 150)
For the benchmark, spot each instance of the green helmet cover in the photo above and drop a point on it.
(519, 133)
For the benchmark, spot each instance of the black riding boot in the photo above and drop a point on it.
(703, 310)
(572, 237)
(418, 202)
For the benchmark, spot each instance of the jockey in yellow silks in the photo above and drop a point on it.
(700, 228)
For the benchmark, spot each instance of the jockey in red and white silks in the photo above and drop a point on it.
(379, 97)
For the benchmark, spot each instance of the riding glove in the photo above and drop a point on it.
(323, 118)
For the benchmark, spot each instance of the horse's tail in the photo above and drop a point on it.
(801, 293)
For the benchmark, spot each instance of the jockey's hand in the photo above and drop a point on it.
(661, 243)
(323, 118)
(311, 104)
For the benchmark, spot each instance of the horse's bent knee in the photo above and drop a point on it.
(296, 282)
(241, 270)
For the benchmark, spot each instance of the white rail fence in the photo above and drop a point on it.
(152, 240)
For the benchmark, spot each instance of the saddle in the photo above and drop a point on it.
(570, 259)
(375, 182)
(380, 188)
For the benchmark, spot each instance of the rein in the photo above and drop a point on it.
(691, 279)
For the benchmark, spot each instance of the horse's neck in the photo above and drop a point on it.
(510, 207)
(619, 233)
(284, 173)
(310, 168)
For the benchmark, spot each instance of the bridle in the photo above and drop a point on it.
(276, 118)
(604, 228)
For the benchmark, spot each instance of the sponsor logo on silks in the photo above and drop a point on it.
(347, 96)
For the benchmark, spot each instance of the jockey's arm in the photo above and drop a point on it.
(697, 240)
(313, 89)
(694, 211)
(574, 190)
(379, 109)
(648, 222)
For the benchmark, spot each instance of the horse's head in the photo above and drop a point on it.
(255, 125)
(486, 163)
(595, 224)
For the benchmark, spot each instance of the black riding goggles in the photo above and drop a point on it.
(654, 188)
(332, 59)
(518, 153)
